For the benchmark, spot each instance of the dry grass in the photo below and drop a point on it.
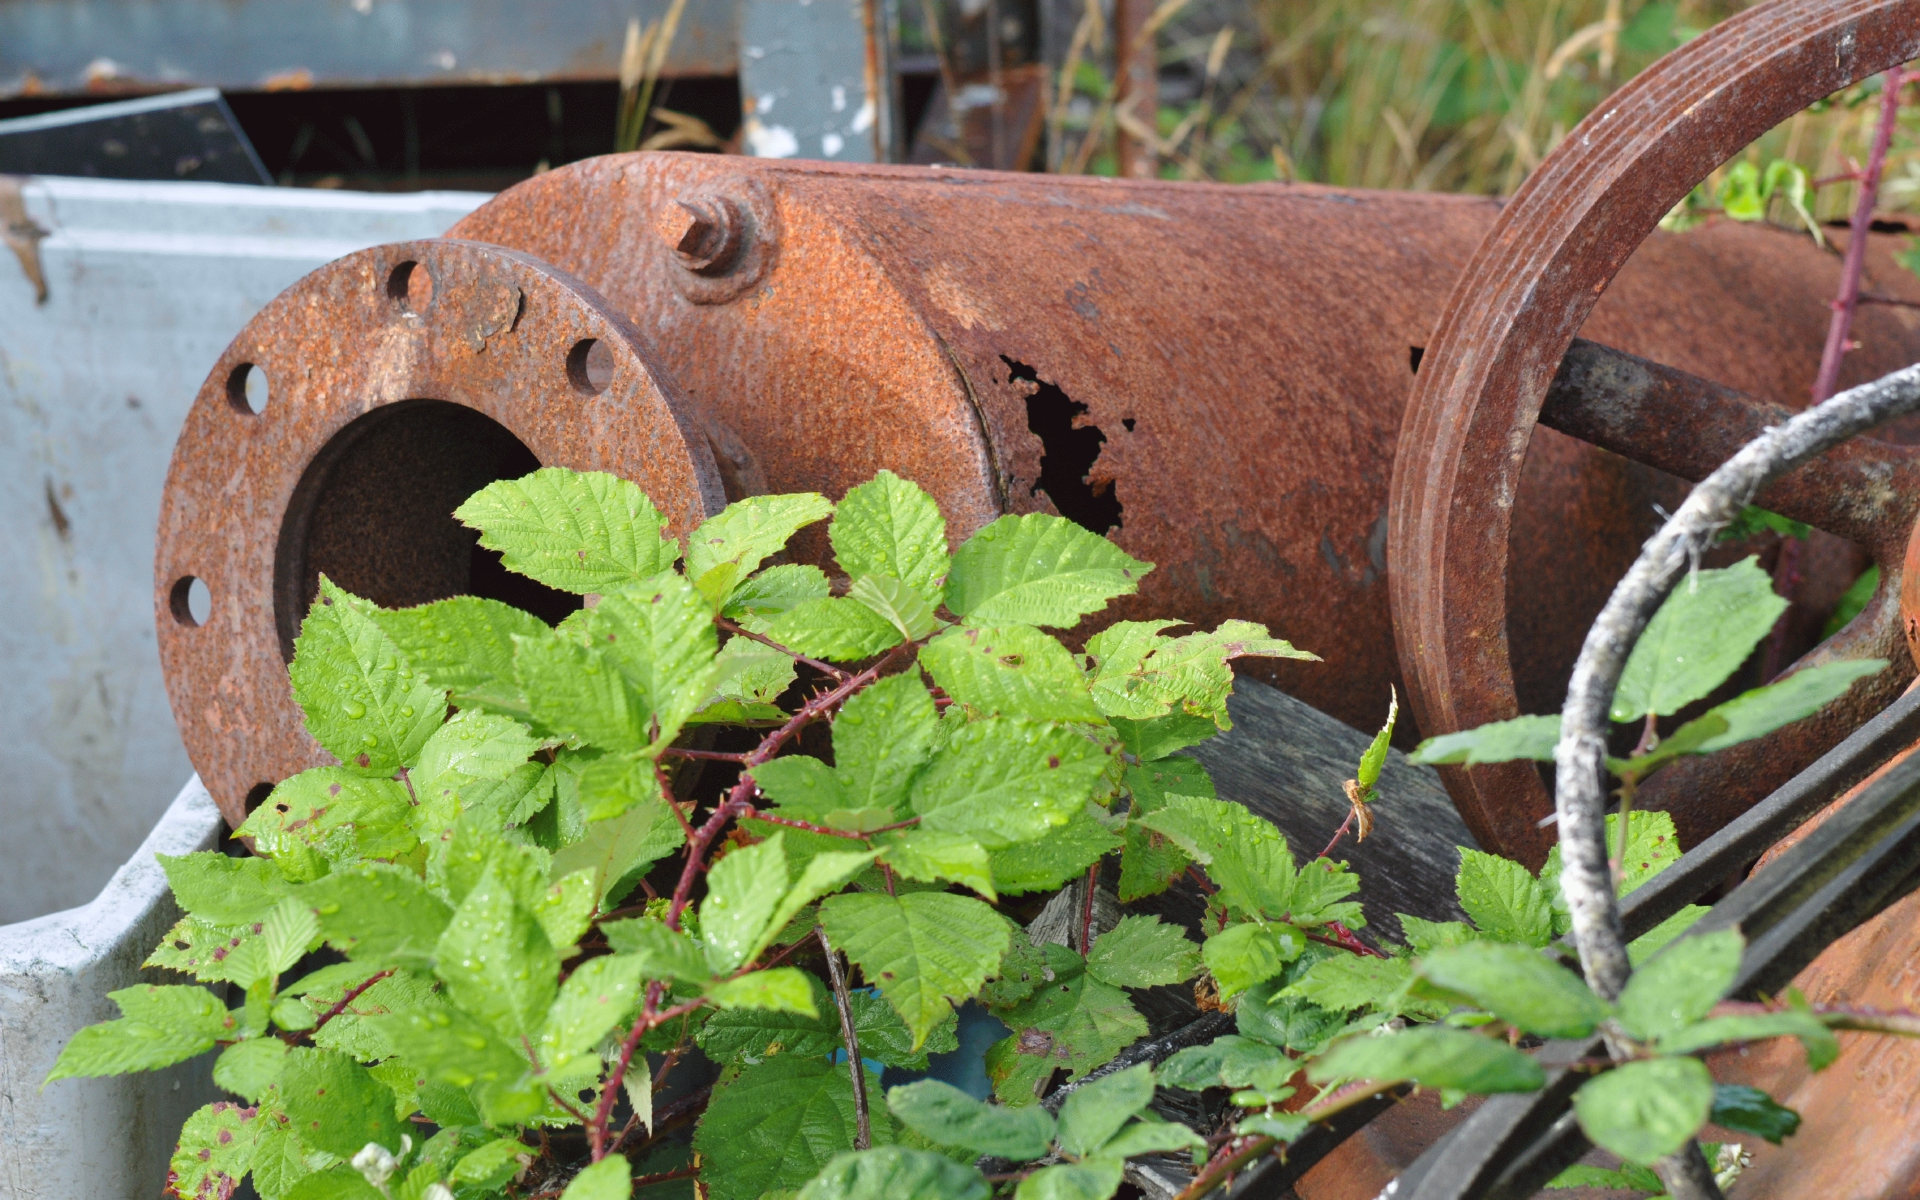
(1448, 95)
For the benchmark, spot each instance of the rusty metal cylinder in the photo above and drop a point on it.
(1212, 375)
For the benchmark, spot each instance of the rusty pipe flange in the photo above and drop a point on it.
(1513, 312)
(402, 379)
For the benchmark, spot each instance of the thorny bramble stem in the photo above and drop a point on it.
(1848, 300)
(1232, 1158)
(353, 993)
(863, 1127)
(738, 630)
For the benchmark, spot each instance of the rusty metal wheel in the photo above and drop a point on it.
(1490, 375)
(403, 379)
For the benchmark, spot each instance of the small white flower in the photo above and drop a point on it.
(437, 1191)
(376, 1163)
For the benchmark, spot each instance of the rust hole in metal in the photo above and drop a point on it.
(1414, 355)
(410, 286)
(190, 601)
(247, 389)
(257, 795)
(374, 513)
(1069, 448)
(590, 366)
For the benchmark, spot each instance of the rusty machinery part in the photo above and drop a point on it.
(403, 378)
(1212, 375)
(1536, 282)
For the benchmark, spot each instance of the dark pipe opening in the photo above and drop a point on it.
(374, 513)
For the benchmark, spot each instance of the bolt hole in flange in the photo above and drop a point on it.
(374, 513)
(590, 366)
(247, 389)
(410, 286)
(191, 601)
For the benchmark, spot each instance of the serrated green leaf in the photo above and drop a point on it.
(660, 634)
(496, 960)
(361, 699)
(889, 526)
(885, 732)
(945, 1114)
(290, 930)
(1431, 1056)
(1094, 1179)
(1038, 569)
(803, 786)
(340, 1182)
(1151, 1137)
(1281, 1127)
(1346, 982)
(335, 813)
(896, 1173)
(1426, 937)
(782, 989)
(773, 1125)
(1007, 779)
(1761, 711)
(743, 889)
(215, 1151)
(609, 1179)
(465, 646)
(1072, 1021)
(357, 1030)
(1265, 1012)
(1375, 756)
(1011, 671)
(663, 953)
(578, 531)
(751, 673)
(1095, 1112)
(929, 856)
(1046, 863)
(617, 783)
(1650, 943)
(335, 1106)
(600, 994)
(1821, 1046)
(1242, 955)
(449, 1046)
(617, 848)
(1702, 633)
(1150, 860)
(494, 1165)
(759, 1033)
(1644, 1111)
(1245, 856)
(378, 913)
(1319, 890)
(746, 532)
(777, 589)
(1138, 674)
(925, 951)
(1525, 738)
(1504, 901)
(249, 1069)
(1681, 985)
(834, 628)
(1749, 1110)
(1228, 1061)
(898, 604)
(1519, 986)
(161, 1026)
(578, 693)
(1118, 656)
(1163, 736)
(221, 890)
(194, 947)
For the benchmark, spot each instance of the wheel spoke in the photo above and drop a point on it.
(1865, 491)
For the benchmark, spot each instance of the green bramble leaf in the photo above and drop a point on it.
(1093, 1179)
(826, 871)
(1518, 985)
(1143, 951)
(1038, 569)
(1246, 857)
(662, 953)
(578, 531)
(1071, 1021)
(660, 635)
(1761, 711)
(609, 1179)
(1044, 864)
(465, 646)
(1228, 1061)
(1009, 671)
(925, 950)
(1645, 1110)
(1754, 521)
(1650, 943)
(774, 1125)
(1375, 756)
(357, 1030)
(929, 856)
(896, 1173)
(361, 699)
(1153, 1137)
(730, 546)
(1628, 1178)
(221, 890)
(1528, 738)
(1505, 902)
(943, 1113)
(899, 605)
(1702, 633)
(335, 1105)
(600, 994)
(1681, 985)
(161, 1026)
(803, 786)
(335, 813)
(1003, 780)
(832, 627)
(1242, 955)
(1428, 937)
(1138, 674)
(888, 526)
(1821, 1046)
(783, 989)
(1094, 1113)
(449, 1046)
(885, 732)
(775, 590)
(1266, 1013)
(614, 784)
(1160, 737)
(1749, 1110)
(474, 745)
(1281, 1127)
(494, 1165)
(1852, 602)
(762, 1033)
(752, 673)
(618, 848)
(1431, 1056)
(378, 913)
(743, 889)
(215, 1151)
(575, 691)
(496, 960)
(251, 1069)
(1347, 982)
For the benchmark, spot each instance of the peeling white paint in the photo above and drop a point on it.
(839, 98)
(771, 141)
(832, 144)
(863, 120)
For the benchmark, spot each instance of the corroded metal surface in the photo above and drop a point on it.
(402, 379)
(1531, 287)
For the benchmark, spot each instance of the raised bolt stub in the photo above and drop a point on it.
(704, 232)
